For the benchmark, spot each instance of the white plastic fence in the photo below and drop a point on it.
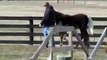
(97, 46)
(58, 29)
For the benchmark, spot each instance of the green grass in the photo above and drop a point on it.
(24, 52)
(16, 52)
(80, 55)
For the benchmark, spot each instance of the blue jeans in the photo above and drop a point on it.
(45, 33)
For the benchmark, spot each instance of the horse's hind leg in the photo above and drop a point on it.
(64, 36)
(61, 37)
(85, 37)
(61, 42)
(81, 38)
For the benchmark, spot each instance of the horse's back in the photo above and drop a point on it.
(79, 16)
(77, 20)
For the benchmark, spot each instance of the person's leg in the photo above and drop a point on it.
(53, 41)
(45, 33)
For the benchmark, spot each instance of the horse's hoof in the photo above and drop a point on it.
(60, 45)
(46, 45)
(88, 46)
(76, 46)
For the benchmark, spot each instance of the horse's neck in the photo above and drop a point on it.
(60, 23)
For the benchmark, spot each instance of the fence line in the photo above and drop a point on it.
(31, 27)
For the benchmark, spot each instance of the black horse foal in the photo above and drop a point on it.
(80, 21)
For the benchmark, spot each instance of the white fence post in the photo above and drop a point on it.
(97, 46)
(70, 44)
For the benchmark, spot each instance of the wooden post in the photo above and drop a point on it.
(31, 31)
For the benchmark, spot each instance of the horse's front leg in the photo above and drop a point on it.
(61, 37)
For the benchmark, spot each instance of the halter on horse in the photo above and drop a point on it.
(80, 21)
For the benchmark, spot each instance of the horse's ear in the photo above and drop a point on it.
(47, 4)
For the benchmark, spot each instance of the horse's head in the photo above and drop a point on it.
(46, 4)
(49, 16)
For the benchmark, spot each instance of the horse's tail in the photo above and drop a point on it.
(90, 25)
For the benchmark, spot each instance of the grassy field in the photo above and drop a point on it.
(16, 52)
(24, 52)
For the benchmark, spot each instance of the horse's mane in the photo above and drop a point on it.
(62, 14)
(58, 13)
